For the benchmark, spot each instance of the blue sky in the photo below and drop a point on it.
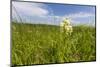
(46, 13)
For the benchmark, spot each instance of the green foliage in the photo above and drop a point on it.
(42, 44)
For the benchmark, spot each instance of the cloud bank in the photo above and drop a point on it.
(82, 18)
(30, 9)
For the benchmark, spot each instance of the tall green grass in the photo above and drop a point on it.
(45, 44)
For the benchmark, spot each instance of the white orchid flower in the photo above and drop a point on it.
(66, 26)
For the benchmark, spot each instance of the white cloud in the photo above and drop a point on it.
(81, 18)
(80, 15)
(30, 9)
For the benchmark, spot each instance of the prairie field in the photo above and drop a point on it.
(45, 44)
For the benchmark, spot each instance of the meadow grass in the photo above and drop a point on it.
(45, 44)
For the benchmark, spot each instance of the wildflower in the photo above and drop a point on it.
(68, 29)
(66, 26)
(66, 21)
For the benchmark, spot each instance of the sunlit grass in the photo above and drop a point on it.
(43, 44)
